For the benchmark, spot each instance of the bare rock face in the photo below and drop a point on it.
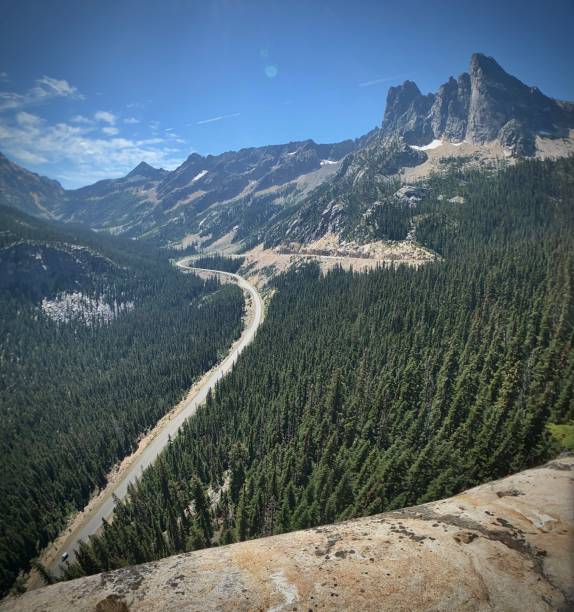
(484, 105)
(406, 114)
(505, 545)
(449, 113)
(516, 138)
(504, 108)
(329, 209)
(491, 88)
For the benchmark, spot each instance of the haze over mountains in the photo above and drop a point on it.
(300, 191)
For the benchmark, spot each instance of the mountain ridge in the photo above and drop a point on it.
(257, 194)
(28, 191)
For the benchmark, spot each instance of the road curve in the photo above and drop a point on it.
(105, 508)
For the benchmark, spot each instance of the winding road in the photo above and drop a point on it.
(104, 507)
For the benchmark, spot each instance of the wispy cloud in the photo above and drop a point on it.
(82, 120)
(379, 81)
(131, 120)
(25, 119)
(4, 77)
(78, 153)
(138, 104)
(110, 131)
(219, 118)
(58, 87)
(105, 117)
(45, 89)
(27, 157)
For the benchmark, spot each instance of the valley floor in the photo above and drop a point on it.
(101, 506)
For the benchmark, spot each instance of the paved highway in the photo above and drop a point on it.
(104, 509)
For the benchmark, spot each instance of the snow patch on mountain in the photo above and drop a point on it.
(431, 145)
(75, 306)
(199, 176)
(38, 257)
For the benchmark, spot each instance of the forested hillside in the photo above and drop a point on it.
(367, 392)
(218, 262)
(99, 337)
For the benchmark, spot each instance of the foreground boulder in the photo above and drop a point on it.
(505, 545)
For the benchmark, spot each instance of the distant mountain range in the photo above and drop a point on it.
(301, 191)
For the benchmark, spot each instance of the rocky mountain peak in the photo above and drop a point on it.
(405, 112)
(484, 105)
(143, 169)
(448, 115)
(406, 92)
(193, 157)
(479, 62)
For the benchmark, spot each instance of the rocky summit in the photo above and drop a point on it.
(486, 104)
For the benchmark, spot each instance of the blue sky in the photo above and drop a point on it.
(88, 88)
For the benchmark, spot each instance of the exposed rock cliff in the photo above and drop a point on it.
(448, 115)
(406, 114)
(506, 545)
(484, 105)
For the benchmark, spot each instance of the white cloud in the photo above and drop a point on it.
(379, 81)
(29, 158)
(4, 77)
(105, 117)
(138, 104)
(131, 120)
(45, 89)
(57, 87)
(78, 148)
(27, 119)
(110, 131)
(81, 119)
(219, 118)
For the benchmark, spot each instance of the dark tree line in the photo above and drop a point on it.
(368, 392)
(219, 262)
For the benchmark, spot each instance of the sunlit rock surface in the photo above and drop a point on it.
(506, 545)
